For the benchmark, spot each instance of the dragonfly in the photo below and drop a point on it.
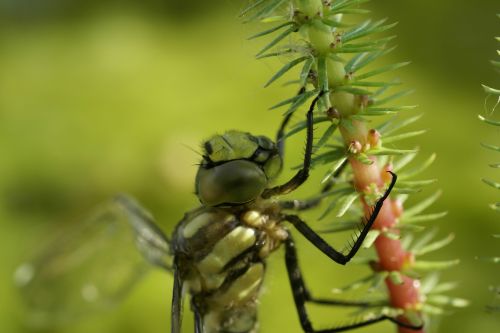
(217, 252)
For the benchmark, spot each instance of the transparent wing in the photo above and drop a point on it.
(92, 265)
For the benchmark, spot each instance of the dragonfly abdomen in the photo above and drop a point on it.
(221, 258)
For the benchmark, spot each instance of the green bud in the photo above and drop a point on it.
(321, 37)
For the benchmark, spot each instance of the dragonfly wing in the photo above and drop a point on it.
(92, 265)
(150, 240)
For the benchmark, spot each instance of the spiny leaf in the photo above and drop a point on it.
(381, 101)
(491, 183)
(443, 287)
(322, 74)
(417, 170)
(405, 190)
(489, 121)
(435, 245)
(304, 74)
(371, 237)
(326, 135)
(445, 300)
(394, 138)
(367, 29)
(389, 151)
(391, 235)
(357, 49)
(336, 166)
(351, 11)
(433, 265)
(491, 147)
(422, 218)
(303, 125)
(340, 226)
(273, 19)
(366, 59)
(416, 183)
(353, 90)
(251, 6)
(345, 202)
(363, 158)
(432, 310)
(428, 283)
(381, 70)
(333, 204)
(346, 4)
(287, 101)
(300, 101)
(423, 205)
(396, 277)
(403, 161)
(329, 156)
(333, 23)
(372, 84)
(494, 260)
(276, 40)
(424, 240)
(285, 69)
(267, 32)
(264, 10)
(492, 91)
(354, 285)
(376, 113)
(392, 109)
(277, 54)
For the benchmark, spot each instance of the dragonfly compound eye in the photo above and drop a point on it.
(233, 182)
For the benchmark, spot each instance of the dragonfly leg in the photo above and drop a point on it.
(300, 205)
(324, 247)
(301, 176)
(301, 295)
(280, 136)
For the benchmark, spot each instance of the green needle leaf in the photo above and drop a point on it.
(285, 69)
(491, 147)
(489, 90)
(422, 218)
(345, 202)
(435, 245)
(491, 183)
(371, 237)
(434, 265)
(276, 40)
(394, 138)
(423, 205)
(489, 121)
(267, 32)
(396, 277)
(381, 70)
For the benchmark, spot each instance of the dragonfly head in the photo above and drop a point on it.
(236, 168)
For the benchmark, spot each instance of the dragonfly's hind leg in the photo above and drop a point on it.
(301, 295)
(324, 247)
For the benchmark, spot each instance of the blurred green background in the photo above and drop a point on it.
(100, 97)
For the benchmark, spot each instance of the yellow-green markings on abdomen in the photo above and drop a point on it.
(196, 224)
(234, 243)
(244, 288)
